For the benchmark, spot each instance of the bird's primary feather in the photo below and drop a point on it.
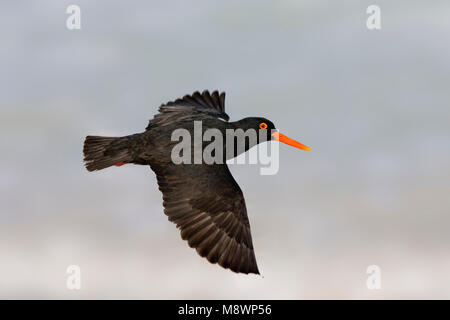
(190, 107)
(208, 206)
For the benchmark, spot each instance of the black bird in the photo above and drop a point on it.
(203, 200)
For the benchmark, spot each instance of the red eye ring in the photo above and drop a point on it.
(263, 126)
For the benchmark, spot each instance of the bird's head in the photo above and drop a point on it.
(269, 131)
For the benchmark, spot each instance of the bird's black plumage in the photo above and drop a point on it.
(204, 201)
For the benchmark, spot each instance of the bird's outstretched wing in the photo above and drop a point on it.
(207, 205)
(191, 106)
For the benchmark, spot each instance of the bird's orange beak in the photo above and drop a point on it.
(282, 138)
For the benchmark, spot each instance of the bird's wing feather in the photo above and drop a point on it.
(208, 206)
(190, 106)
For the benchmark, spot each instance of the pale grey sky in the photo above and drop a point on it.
(372, 105)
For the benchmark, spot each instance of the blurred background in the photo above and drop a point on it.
(372, 105)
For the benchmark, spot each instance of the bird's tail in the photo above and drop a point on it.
(103, 152)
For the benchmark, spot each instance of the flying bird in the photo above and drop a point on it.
(203, 200)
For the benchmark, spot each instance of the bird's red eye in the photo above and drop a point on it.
(263, 125)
